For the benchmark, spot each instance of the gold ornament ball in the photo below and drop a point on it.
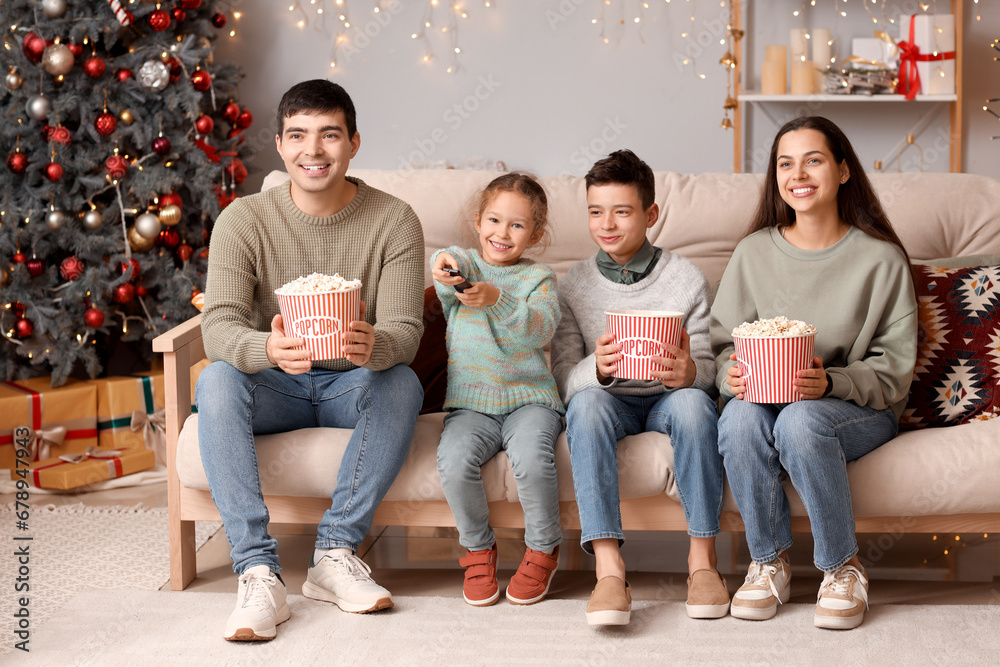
(126, 117)
(92, 219)
(170, 215)
(138, 242)
(57, 59)
(14, 80)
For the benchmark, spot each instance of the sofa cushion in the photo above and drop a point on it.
(958, 361)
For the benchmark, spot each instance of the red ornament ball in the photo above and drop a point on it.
(184, 252)
(75, 49)
(105, 124)
(124, 293)
(179, 14)
(19, 257)
(236, 170)
(23, 328)
(17, 162)
(161, 145)
(231, 112)
(33, 47)
(123, 74)
(244, 120)
(53, 171)
(219, 20)
(190, 4)
(36, 267)
(169, 238)
(132, 264)
(58, 134)
(204, 124)
(201, 80)
(94, 67)
(140, 290)
(235, 132)
(171, 198)
(93, 318)
(116, 166)
(159, 20)
(71, 268)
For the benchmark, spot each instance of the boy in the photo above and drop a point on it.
(261, 382)
(629, 273)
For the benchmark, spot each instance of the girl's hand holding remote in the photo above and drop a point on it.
(480, 295)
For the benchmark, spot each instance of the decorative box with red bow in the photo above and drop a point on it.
(88, 467)
(130, 412)
(926, 55)
(58, 420)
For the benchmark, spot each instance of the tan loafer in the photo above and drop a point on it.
(610, 603)
(708, 596)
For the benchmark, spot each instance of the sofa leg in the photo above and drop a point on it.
(183, 565)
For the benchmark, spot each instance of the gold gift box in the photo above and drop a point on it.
(94, 465)
(125, 405)
(61, 420)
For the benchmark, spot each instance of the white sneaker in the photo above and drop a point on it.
(766, 585)
(260, 606)
(842, 599)
(344, 579)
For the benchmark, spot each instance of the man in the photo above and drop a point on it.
(262, 382)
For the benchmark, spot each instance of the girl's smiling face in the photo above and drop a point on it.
(807, 173)
(505, 228)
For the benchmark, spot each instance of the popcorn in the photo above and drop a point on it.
(778, 327)
(318, 282)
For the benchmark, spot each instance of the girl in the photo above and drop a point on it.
(501, 395)
(820, 249)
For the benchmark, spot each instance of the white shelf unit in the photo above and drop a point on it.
(954, 102)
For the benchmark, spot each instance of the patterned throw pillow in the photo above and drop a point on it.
(957, 375)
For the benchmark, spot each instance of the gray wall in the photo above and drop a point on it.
(539, 90)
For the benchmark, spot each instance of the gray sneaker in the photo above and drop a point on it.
(345, 580)
(842, 599)
(260, 606)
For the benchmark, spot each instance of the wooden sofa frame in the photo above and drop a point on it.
(182, 348)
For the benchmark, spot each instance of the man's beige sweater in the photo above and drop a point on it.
(262, 241)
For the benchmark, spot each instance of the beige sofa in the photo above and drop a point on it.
(945, 479)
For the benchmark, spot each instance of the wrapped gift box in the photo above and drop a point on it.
(873, 53)
(56, 420)
(130, 412)
(94, 465)
(932, 50)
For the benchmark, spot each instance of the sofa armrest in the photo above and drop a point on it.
(182, 347)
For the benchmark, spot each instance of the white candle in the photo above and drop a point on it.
(776, 53)
(798, 43)
(772, 78)
(821, 47)
(803, 77)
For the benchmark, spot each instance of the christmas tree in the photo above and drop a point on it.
(122, 139)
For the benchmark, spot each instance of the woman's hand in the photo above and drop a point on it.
(735, 379)
(607, 353)
(679, 371)
(812, 382)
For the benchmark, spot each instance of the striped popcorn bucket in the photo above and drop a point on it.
(319, 318)
(642, 335)
(769, 365)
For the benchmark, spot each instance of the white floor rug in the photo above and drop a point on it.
(76, 547)
(183, 628)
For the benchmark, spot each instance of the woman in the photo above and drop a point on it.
(820, 249)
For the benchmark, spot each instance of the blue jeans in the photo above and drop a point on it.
(528, 435)
(596, 420)
(234, 406)
(813, 441)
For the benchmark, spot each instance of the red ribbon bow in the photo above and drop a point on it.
(909, 55)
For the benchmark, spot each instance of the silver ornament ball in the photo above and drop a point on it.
(55, 219)
(14, 80)
(38, 107)
(54, 8)
(147, 226)
(92, 219)
(154, 75)
(57, 59)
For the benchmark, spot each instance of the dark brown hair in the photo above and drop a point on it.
(857, 202)
(317, 96)
(527, 186)
(625, 168)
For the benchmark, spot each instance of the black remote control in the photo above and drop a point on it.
(462, 286)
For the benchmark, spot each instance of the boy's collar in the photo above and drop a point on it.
(638, 264)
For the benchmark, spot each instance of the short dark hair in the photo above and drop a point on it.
(318, 96)
(625, 168)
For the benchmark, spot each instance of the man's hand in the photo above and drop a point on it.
(607, 353)
(281, 350)
(359, 339)
(442, 260)
(480, 295)
(812, 382)
(735, 379)
(680, 371)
